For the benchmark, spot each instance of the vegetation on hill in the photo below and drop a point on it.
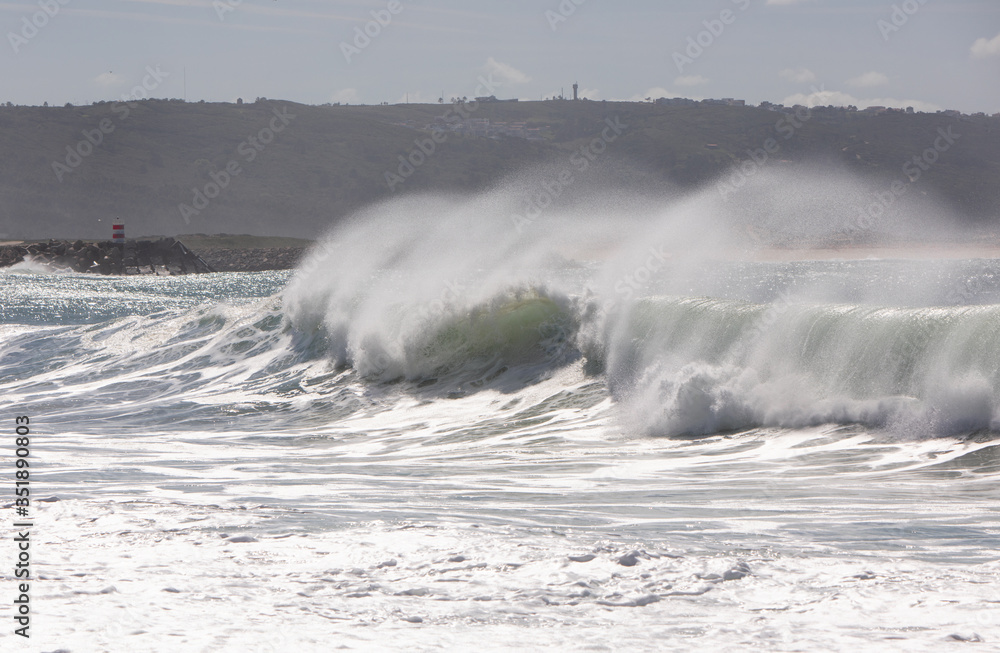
(240, 241)
(70, 172)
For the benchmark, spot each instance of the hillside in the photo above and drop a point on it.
(325, 161)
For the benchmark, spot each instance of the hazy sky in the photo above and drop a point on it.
(930, 54)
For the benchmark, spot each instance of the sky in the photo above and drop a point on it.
(928, 54)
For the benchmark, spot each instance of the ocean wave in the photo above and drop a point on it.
(518, 327)
(674, 366)
(35, 265)
(693, 366)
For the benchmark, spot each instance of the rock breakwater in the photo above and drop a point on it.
(164, 257)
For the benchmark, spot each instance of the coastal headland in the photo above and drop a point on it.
(163, 256)
(170, 167)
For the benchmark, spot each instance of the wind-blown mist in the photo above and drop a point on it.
(663, 295)
(434, 433)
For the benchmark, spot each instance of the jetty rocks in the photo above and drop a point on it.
(256, 259)
(163, 257)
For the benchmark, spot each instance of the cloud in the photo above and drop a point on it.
(656, 93)
(505, 72)
(986, 47)
(798, 75)
(784, 2)
(109, 79)
(653, 93)
(821, 98)
(590, 93)
(691, 80)
(346, 96)
(841, 99)
(416, 97)
(869, 79)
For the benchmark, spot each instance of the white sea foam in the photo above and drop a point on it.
(686, 367)
(255, 475)
(417, 287)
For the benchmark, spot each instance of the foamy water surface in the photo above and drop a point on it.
(444, 433)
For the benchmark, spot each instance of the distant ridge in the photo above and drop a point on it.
(68, 172)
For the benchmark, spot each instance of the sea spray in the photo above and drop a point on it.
(702, 366)
(422, 287)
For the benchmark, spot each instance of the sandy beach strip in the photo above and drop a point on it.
(920, 252)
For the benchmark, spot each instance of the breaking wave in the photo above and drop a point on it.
(692, 366)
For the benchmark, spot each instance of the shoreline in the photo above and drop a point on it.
(913, 252)
(261, 259)
(162, 257)
(254, 259)
(950, 251)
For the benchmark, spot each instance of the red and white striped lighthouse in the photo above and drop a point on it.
(118, 233)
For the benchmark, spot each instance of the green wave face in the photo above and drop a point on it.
(697, 365)
(857, 350)
(514, 330)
